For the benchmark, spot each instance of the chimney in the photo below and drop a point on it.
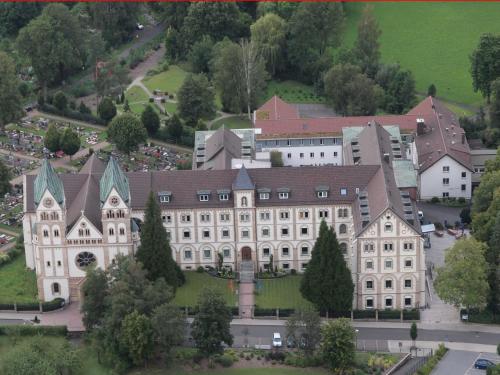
(420, 126)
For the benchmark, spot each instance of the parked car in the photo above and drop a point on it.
(483, 364)
(421, 215)
(277, 340)
(140, 26)
(291, 342)
(3, 239)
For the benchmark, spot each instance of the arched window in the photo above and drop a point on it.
(111, 231)
(342, 228)
(343, 248)
(339, 212)
(56, 232)
(56, 288)
(45, 233)
(44, 216)
(122, 231)
(244, 202)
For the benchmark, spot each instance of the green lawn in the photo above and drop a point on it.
(282, 292)
(291, 92)
(169, 81)
(13, 228)
(433, 40)
(16, 283)
(233, 122)
(171, 108)
(187, 295)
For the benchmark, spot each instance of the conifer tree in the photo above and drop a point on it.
(154, 252)
(327, 282)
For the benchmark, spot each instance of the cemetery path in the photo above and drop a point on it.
(18, 155)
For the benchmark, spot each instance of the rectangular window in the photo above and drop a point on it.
(304, 231)
(205, 217)
(408, 246)
(388, 284)
(335, 154)
(244, 217)
(323, 214)
(369, 284)
(207, 254)
(311, 155)
(368, 247)
(265, 252)
(322, 194)
(464, 174)
(303, 214)
(408, 263)
(283, 195)
(226, 253)
(284, 215)
(388, 264)
(122, 231)
(369, 303)
(408, 283)
(369, 265)
(304, 250)
(289, 155)
(446, 169)
(206, 233)
(186, 234)
(245, 233)
(388, 247)
(203, 197)
(464, 187)
(224, 197)
(224, 217)
(286, 266)
(186, 218)
(264, 196)
(284, 231)
(343, 191)
(58, 263)
(187, 254)
(167, 219)
(285, 251)
(446, 194)
(446, 181)
(303, 266)
(265, 232)
(265, 216)
(48, 263)
(225, 233)
(388, 302)
(164, 198)
(322, 154)
(302, 155)
(407, 301)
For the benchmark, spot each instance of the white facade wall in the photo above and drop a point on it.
(432, 181)
(309, 155)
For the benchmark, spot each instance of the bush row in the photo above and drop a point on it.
(29, 330)
(193, 310)
(433, 361)
(75, 115)
(481, 316)
(34, 306)
(357, 314)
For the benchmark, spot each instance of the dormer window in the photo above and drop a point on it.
(223, 195)
(203, 195)
(164, 196)
(322, 194)
(283, 195)
(263, 196)
(343, 191)
(322, 191)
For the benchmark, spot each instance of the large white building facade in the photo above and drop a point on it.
(242, 214)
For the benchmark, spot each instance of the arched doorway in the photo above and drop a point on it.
(246, 253)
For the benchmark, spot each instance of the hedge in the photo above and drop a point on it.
(53, 305)
(34, 306)
(389, 314)
(33, 330)
(259, 311)
(364, 314)
(75, 115)
(411, 314)
(235, 311)
(433, 361)
(481, 316)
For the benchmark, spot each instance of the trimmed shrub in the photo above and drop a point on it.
(30, 306)
(28, 330)
(411, 314)
(364, 314)
(53, 305)
(275, 356)
(264, 312)
(435, 200)
(7, 306)
(389, 314)
(200, 269)
(224, 360)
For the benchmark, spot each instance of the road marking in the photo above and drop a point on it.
(472, 366)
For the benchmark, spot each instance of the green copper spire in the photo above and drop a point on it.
(47, 179)
(114, 177)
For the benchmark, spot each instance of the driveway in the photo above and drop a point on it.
(435, 212)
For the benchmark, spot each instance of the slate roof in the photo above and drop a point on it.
(114, 177)
(220, 148)
(243, 180)
(47, 179)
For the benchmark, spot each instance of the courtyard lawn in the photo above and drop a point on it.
(433, 40)
(169, 81)
(233, 122)
(291, 92)
(171, 108)
(187, 295)
(281, 293)
(16, 283)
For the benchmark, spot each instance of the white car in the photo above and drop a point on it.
(420, 215)
(277, 340)
(140, 26)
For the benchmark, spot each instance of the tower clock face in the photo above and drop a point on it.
(48, 202)
(113, 201)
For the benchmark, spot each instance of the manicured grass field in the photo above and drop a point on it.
(187, 295)
(280, 293)
(169, 81)
(233, 122)
(433, 40)
(291, 92)
(16, 283)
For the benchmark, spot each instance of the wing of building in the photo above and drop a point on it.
(73, 220)
(430, 137)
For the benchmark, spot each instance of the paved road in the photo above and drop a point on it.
(435, 212)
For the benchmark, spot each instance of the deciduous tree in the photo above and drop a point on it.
(94, 291)
(196, 99)
(136, 336)
(127, 133)
(154, 252)
(308, 321)
(269, 35)
(5, 176)
(462, 280)
(485, 64)
(432, 90)
(493, 261)
(150, 120)
(367, 47)
(174, 126)
(201, 54)
(106, 109)
(169, 327)
(70, 142)
(117, 21)
(338, 345)
(10, 100)
(52, 140)
(60, 101)
(211, 325)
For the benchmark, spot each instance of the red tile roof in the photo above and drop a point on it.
(276, 109)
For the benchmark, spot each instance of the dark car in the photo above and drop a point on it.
(483, 364)
(291, 342)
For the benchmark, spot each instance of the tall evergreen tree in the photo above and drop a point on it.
(327, 282)
(367, 47)
(154, 252)
(493, 259)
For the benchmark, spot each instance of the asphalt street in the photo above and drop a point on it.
(458, 362)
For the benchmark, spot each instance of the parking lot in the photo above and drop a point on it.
(459, 362)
